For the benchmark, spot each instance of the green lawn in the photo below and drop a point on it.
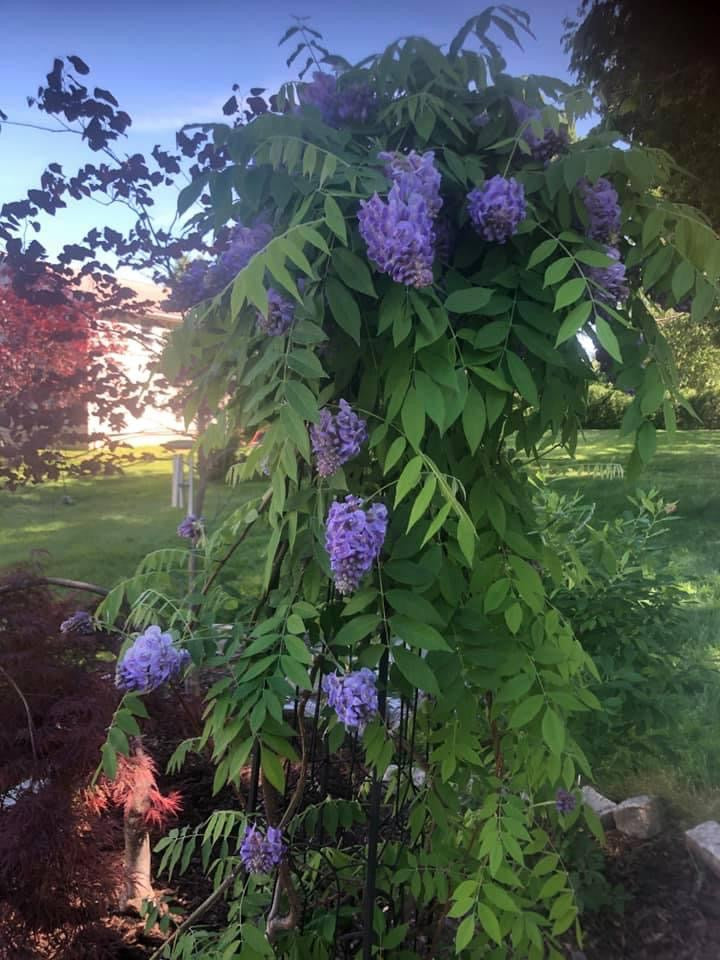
(110, 525)
(114, 521)
(685, 469)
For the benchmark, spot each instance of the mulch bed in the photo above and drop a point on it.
(673, 907)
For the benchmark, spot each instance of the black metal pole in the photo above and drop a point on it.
(373, 829)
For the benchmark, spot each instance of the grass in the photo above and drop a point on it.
(685, 469)
(114, 521)
(111, 524)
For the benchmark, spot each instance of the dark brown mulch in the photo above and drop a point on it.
(673, 907)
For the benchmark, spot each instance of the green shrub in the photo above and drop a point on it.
(606, 407)
(630, 613)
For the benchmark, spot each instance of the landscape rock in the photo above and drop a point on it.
(604, 808)
(639, 817)
(418, 775)
(704, 842)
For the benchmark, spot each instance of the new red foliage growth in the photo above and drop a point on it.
(135, 786)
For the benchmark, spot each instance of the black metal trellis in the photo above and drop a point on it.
(340, 776)
(368, 932)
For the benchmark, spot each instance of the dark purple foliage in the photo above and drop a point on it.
(608, 284)
(543, 148)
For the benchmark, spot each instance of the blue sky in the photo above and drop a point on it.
(172, 63)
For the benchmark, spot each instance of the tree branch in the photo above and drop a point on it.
(54, 582)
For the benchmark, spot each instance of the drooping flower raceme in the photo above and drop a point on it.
(259, 853)
(400, 232)
(352, 103)
(497, 208)
(353, 697)
(400, 238)
(353, 539)
(201, 280)
(190, 527)
(609, 283)
(601, 201)
(337, 438)
(542, 148)
(565, 802)
(188, 288)
(280, 316)
(151, 661)
(80, 623)
(415, 173)
(242, 246)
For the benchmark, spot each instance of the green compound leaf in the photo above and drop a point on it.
(417, 634)
(415, 671)
(302, 400)
(344, 308)
(568, 293)
(353, 271)
(469, 300)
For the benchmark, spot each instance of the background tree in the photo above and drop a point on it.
(66, 296)
(696, 350)
(657, 71)
(60, 364)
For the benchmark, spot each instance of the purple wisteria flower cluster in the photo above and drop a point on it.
(565, 802)
(188, 287)
(603, 207)
(353, 697)
(544, 148)
(280, 316)
(414, 173)
(339, 105)
(202, 279)
(497, 208)
(242, 246)
(151, 661)
(337, 438)
(400, 232)
(260, 854)
(80, 623)
(190, 527)
(353, 539)
(609, 283)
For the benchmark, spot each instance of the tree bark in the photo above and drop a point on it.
(137, 862)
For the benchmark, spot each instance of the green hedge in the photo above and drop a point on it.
(607, 405)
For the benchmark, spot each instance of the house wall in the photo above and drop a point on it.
(157, 424)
